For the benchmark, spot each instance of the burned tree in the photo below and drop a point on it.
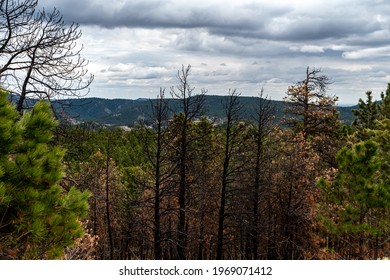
(231, 144)
(309, 105)
(191, 106)
(265, 114)
(39, 53)
(153, 138)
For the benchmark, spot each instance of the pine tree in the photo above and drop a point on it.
(381, 135)
(384, 105)
(367, 113)
(359, 195)
(38, 218)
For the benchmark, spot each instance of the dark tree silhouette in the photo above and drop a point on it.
(39, 52)
(191, 107)
(229, 170)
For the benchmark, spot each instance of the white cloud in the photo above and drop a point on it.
(368, 53)
(308, 49)
(312, 49)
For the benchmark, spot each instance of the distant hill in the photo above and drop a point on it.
(126, 112)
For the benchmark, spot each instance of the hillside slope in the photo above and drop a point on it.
(126, 112)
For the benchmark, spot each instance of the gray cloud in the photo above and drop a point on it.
(244, 43)
(256, 19)
(152, 14)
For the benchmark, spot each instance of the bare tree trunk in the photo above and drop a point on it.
(221, 216)
(201, 236)
(182, 235)
(265, 114)
(109, 229)
(160, 117)
(157, 223)
(192, 106)
(232, 109)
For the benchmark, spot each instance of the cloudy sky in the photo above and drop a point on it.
(137, 46)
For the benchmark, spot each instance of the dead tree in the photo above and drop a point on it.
(153, 139)
(107, 200)
(191, 107)
(232, 113)
(309, 105)
(40, 54)
(264, 118)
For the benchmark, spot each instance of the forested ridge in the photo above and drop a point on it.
(127, 112)
(292, 183)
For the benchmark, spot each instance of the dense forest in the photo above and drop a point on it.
(181, 185)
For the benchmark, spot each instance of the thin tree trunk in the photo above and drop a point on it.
(157, 223)
(232, 109)
(221, 216)
(181, 245)
(23, 93)
(109, 229)
(221, 221)
(256, 196)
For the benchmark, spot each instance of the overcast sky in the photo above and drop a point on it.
(137, 46)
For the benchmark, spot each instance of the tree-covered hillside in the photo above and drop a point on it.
(126, 112)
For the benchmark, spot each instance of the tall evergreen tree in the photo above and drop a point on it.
(38, 218)
(366, 114)
(384, 105)
(358, 196)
